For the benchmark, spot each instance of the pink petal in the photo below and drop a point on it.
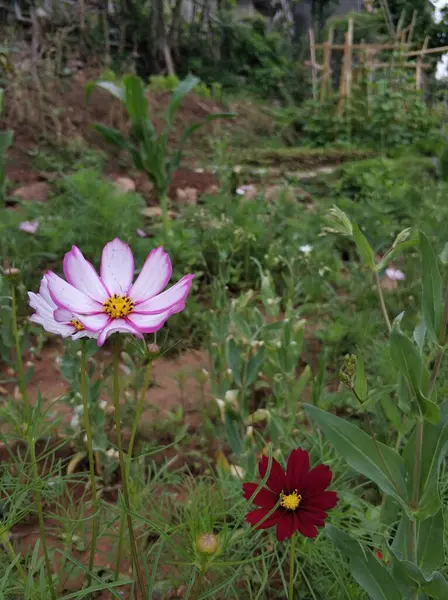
(94, 322)
(166, 300)
(51, 326)
(82, 275)
(264, 498)
(43, 291)
(68, 297)
(117, 267)
(29, 226)
(61, 315)
(155, 274)
(277, 478)
(117, 325)
(148, 323)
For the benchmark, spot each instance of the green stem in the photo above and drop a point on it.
(292, 562)
(196, 593)
(19, 361)
(383, 304)
(165, 216)
(87, 426)
(138, 414)
(12, 555)
(123, 466)
(412, 549)
(40, 513)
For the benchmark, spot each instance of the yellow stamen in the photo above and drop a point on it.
(291, 501)
(118, 306)
(77, 325)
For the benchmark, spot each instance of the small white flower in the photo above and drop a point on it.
(103, 404)
(231, 396)
(74, 423)
(221, 405)
(112, 453)
(29, 226)
(141, 233)
(306, 249)
(395, 274)
(78, 409)
(237, 471)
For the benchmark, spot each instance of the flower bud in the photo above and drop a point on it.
(207, 543)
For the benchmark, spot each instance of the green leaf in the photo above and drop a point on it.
(254, 366)
(401, 243)
(363, 246)
(112, 135)
(234, 360)
(135, 100)
(116, 90)
(432, 303)
(434, 447)
(409, 363)
(182, 90)
(371, 458)
(360, 379)
(367, 570)
(444, 255)
(341, 223)
(437, 587)
(6, 138)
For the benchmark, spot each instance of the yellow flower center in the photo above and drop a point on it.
(118, 306)
(291, 501)
(77, 325)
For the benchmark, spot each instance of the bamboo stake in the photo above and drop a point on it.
(412, 27)
(313, 63)
(327, 66)
(346, 75)
(419, 66)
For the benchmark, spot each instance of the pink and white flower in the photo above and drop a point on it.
(29, 226)
(395, 274)
(44, 315)
(111, 302)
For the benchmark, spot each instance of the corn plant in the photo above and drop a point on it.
(6, 138)
(147, 147)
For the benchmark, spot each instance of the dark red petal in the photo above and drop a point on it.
(325, 500)
(286, 526)
(318, 480)
(256, 515)
(264, 497)
(297, 469)
(306, 526)
(313, 513)
(277, 478)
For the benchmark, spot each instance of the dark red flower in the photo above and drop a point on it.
(301, 494)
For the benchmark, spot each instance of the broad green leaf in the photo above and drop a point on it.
(432, 303)
(135, 99)
(409, 363)
(401, 243)
(116, 90)
(434, 447)
(6, 138)
(371, 458)
(254, 366)
(182, 90)
(444, 255)
(234, 430)
(363, 246)
(419, 335)
(429, 541)
(112, 135)
(437, 587)
(367, 570)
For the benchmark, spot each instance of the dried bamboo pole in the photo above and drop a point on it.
(419, 65)
(313, 63)
(326, 83)
(346, 75)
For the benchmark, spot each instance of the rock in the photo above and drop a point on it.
(35, 192)
(125, 184)
(187, 195)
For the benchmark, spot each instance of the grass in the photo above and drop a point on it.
(259, 298)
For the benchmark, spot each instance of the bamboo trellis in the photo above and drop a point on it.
(401, 48)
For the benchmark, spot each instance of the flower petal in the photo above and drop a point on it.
(264, 498)
(94, 322)
(166, 300)
(68, 297)
(318, 480)
(150, 323)
(155, 274)
(61, 315)
(286, 526)
(297, 469)
(306, 528)
(43, 291)
(82, 275)
(115, 325)
(314, 514)
(277, 479)
(324, 501)
(117, 267)
(51, 326)
(255, 516)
